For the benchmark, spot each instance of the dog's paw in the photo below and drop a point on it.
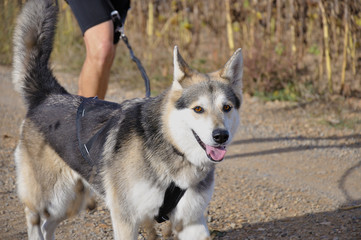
(194, 232)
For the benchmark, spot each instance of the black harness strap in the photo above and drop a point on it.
(172, 196)
(84, 150)
(95, 108)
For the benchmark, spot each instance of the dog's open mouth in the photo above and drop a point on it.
(215, 154)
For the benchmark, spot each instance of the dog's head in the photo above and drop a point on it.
(202, 114)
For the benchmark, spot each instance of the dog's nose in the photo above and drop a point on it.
(220, 136)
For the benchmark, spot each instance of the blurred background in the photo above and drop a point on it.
(294, 50)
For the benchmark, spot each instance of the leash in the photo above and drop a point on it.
(139, 64)
(119, 31)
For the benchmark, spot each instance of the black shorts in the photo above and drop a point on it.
(93, 12)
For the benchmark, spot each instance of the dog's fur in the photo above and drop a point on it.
(145, 145)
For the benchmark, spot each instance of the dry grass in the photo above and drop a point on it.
(283, 42)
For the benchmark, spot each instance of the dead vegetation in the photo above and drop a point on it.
(293, 49)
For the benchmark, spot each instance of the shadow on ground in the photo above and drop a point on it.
(343, 223)
(302, 147)
(339, 224)
(355, 140)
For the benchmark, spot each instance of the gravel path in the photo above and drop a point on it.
(293, 172)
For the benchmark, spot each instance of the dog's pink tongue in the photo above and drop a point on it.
(216, 153)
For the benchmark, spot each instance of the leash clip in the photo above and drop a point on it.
(119, 27)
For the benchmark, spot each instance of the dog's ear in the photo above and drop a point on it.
(181, 70)
(233, 70)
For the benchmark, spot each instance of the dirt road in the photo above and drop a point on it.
(293, 172)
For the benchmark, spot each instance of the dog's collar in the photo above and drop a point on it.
(172, 196)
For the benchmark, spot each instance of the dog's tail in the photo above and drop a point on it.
(33, 43)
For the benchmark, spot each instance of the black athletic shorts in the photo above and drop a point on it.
(93, 12)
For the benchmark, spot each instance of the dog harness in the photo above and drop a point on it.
(89, 111)
(172, 196)
(90, 149)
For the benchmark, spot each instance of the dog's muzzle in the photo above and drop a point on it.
(214, 153)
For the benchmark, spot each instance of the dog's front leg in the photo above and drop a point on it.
(124, 227)
(188, 220)
(196, 230)
(123, 230)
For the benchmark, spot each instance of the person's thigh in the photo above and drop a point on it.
(99, 36)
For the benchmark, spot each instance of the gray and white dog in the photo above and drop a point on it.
(149, 159)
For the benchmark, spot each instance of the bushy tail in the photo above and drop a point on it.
(33, 43)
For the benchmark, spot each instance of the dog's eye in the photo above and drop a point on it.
(198, 109)
(226, 108)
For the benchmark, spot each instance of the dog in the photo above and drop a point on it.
(150, 159)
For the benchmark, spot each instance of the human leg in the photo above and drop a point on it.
(100, 52)
(95, 22)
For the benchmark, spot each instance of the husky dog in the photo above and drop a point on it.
(149, 159)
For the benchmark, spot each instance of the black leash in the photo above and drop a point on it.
(139, 64)
(119, 31)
